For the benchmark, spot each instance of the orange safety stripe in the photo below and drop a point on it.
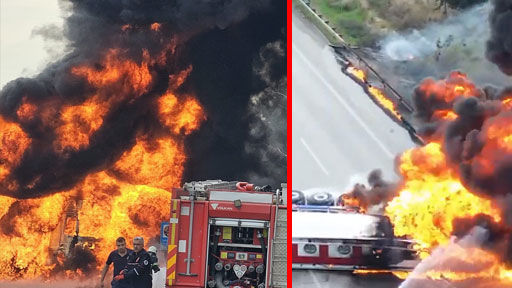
(172, 247)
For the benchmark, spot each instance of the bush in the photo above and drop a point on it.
(343, 5)
(358, 31)
(381, 6)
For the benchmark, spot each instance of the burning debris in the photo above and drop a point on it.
(375, 93)
(101, 136)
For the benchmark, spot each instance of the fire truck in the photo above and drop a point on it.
(227, 234)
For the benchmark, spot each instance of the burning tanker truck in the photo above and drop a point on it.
(451, 206)
(339, 234)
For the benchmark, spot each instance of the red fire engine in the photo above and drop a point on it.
(227, 234)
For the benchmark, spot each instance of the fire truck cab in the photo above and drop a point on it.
(227, 234)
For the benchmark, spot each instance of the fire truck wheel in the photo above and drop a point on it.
(212, 283)
(298, 197)
(321, 199)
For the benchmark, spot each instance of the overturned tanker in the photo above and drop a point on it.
(343, 238)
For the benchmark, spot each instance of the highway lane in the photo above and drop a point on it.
(338, 132)
(339, 136)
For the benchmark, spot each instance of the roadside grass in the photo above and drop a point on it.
(349, 18)
(362, 22)
(331, 36)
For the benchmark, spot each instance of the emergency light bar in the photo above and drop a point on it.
(250, 197)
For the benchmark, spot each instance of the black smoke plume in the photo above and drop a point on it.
(378, 192)
(222, 40)
(245, 136)
(499, 46)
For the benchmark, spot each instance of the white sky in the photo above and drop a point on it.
(22, 54)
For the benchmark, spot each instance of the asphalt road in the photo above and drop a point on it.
(159, 277)
(339, 136)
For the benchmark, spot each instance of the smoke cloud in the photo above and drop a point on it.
(221, 40)
(457, 43)
(376, 195)
(499, 46)
(267, 138)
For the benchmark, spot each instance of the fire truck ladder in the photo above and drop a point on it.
(278, 268)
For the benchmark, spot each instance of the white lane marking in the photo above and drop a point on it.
(314, 156)
(344, 103)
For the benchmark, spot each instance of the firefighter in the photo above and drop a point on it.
(138, 268)
(119, 257)
(152, 251)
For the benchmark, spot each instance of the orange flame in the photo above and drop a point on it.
(445, 114)
(185, 118)
(376, 93)
(358, 73)
(113, 69)
(432, 197)
(456, 85)
(14, 141)
(398, 274)
(113, 208)
(129, 199)
(507, 102)
(351, 201)
(501, 136)
(384, 101)
(26, 110)
(156, 26)
(27, 250)
(155, 164)
(78, 124)
(497, 133)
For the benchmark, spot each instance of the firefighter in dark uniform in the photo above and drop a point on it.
(138, 267)
(119, 257)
